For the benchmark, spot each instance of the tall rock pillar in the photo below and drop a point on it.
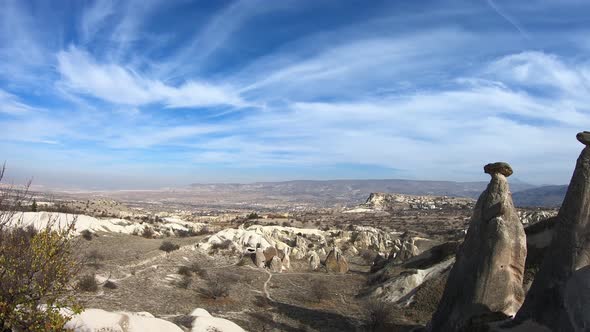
(486, 279)
(569, 251)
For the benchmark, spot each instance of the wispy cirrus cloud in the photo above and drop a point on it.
(117, 84)
(10, 104)
(430, 94)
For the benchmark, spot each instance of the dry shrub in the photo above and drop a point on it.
(319, 289)
(86, 235)
(168, 247)
(94, 258)
(185, 271)
(87, 283)
(222, 245)
(198, 270)
(377, 314)
(184, 282)
(219, 286)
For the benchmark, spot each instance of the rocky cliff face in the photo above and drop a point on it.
(388, 202)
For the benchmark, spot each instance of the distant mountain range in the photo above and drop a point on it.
(354, 191)
(545, 196)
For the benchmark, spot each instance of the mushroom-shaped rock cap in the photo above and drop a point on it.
(499, 167)
(584, 137)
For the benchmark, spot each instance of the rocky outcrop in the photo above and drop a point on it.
(577, 299)
(364, 237)
(204, 322)
(403, 250)
(335, 262)
(427, 272)
(276, 265)
(100, 320)
(314, 261)
(286, 260)
(401, 287)
(269, 253)
(487, 276)
(259, 258)
(568, 252)
(534, 216)
(396, 202)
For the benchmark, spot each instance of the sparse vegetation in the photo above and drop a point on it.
(47, 256)
(378, 314)
(168, 247)
(215, 289)
(184, 282)
(94, 259)
(219, 286)
(185, 271)
(87, 283)
(221, 245)
(198, 270)
(319, 290)
(86, 235)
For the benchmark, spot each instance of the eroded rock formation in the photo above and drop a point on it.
(275, 264)
(403, 250)
(568, 252)
(259, 258)
(335, 262)
(314, 261)
(487, 276)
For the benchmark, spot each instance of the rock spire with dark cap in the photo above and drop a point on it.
(569, 251)
(486, 279)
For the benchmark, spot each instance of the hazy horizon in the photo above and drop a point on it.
(152, 94)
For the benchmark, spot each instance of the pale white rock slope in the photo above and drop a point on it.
(40, 220)
(204, 322)
(93, 320)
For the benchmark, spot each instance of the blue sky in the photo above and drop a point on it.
(152, 93)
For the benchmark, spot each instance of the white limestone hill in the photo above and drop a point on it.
(91, 320)
(40, 220)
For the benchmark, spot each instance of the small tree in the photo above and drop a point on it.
(36, 268)
(168, 247)
(34, 206)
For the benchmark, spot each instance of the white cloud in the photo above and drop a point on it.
(93, 17)
(10, 104)
(354, 68)
(159, 135)
(541, 69)
(121, 85)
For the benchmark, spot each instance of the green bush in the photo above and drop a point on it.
(36, 269)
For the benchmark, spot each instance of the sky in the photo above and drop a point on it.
(157, 93)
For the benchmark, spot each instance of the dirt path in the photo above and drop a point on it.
(265, 286)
